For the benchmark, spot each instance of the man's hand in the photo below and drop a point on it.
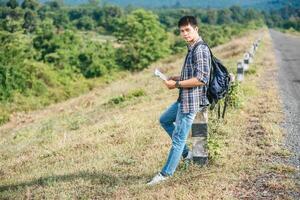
(170, 84)
(174, 78)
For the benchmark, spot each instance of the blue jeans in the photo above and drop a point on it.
(178, 132)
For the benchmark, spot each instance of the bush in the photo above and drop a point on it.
(235, 96)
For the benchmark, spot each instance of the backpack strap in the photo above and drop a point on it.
(211, 57)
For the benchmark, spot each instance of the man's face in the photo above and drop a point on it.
(188, 32)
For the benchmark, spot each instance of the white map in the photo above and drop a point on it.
(160, 75)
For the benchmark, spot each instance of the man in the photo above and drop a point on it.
(192, 85)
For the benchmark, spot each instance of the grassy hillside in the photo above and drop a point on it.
(108, 143)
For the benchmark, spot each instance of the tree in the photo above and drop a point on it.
(12, 4)
(11, 25)
(61, 19)
(251, 14)
(43, 40)
(54, 5)
(96, 59)
(94, 3)
(85, 23)
(212, 17)
(224, 16)
(109, 18)
(237, 13)
(77, 13)
(143, 39)
(29, 21)
(30, 4)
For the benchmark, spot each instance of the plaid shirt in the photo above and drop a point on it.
(193, 99)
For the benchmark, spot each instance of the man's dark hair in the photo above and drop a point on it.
(186, 20)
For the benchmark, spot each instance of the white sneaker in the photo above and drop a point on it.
(157, 179)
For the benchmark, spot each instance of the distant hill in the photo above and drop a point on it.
(258, 4)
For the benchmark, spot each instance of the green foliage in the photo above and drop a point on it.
(178, 46)
(10, 25)
(26, 83)
(13, 75)
(12, 4)
(234, 14)
(213, 141)
(29, 21)
(137, 93)
(109, 17)
(126, 97)
(224, 16)
(286, 18)
(235, 99)
(237, 14)
(214, 148)
(30, 4)
(212, 17)
(85, 23)
(4, 115)
(252, 70)
(143, 40)
(200, 4)
(96, 60)
(292, 23)
(54, 5)
(44, 39)
(215, 35)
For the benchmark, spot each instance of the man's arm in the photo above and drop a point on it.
(201, 64)
(189, 83)
(200, 67)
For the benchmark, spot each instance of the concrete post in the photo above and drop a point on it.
(246, 61)
(250, 57)
(240, 71)
(199, 138)
(255, 47)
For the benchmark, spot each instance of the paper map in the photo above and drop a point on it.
(160, 75)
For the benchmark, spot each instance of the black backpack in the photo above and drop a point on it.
(219, 82)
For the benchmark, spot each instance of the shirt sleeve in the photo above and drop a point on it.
(201, 63)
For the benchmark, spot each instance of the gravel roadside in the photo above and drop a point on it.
(287, 49)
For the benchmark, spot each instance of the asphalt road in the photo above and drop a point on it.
(287, 49)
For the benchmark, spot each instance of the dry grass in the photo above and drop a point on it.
(83, 148)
